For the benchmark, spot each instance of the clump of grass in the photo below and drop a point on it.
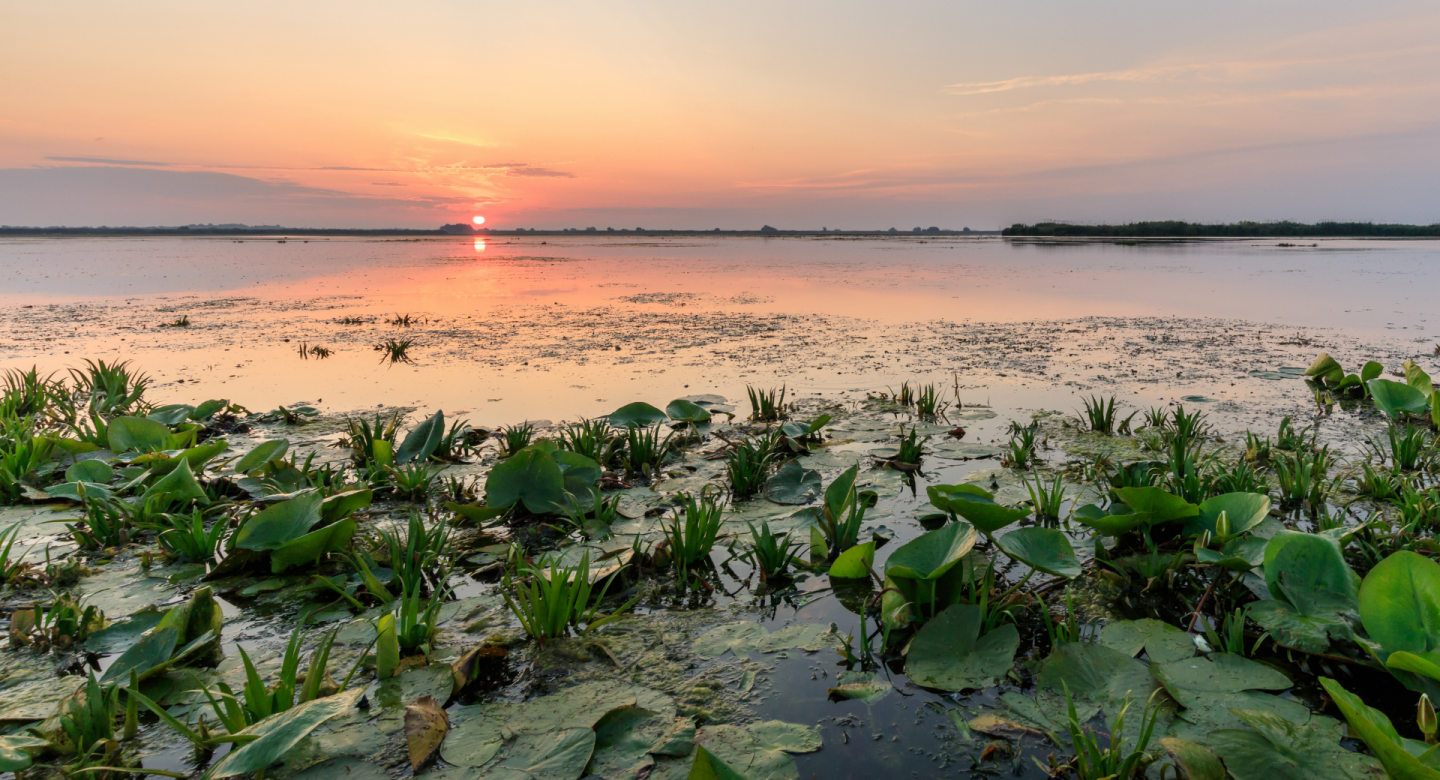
(182, 322)
(1382, 485)
(748, 465)
(1157, 418)
(1114, 762)
(352, 320)
(1290, 439)
(770, 553)
(906, 396)
(1257, 448)
(395, 350)
(107, 523)
(1419, 510)
(316, 351)
(402, 320)
(644, 450)
(1045, 499)
(26, 393)
(295, 415)
(1410, 450)
(1304, 477)
(767, 405)
(256, 701)
(912, 447)
(514, 438)
(112, 389)
(413, 480)
(1019, 453)
(1239, 478)
(691, 539)
(595, 519)
(371, 442)
(549, 604)
(928, 404)
(20, 463)
(593, 438)
(1102, 414)
(185, 537)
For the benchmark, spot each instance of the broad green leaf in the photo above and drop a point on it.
(1324, 366)
(1113, 522)
(1242, 554)
(137, 434)
(707, 767)
(573, 465)
(623, 738)
(1196, 762)
(277, 735)
(793, 484)
(476, 514)
(930, 555)
(1400, 604)
(976, 505)
(1095, 673)
(208, 409)
(1208, 687)
(1307, 561)
(1393, 398)
(529, 477)
(387, 647)
(1162, 507)
(263, 453)
(90, 471)
(837, 493)
(854, 563)
(152, 650)
(309, 548)
(1371, 370)
(758, 751)
(739, 638)
(280, 524)
(1244, 511)
(1280, 749)
(638, 413)
(177, 486)
(341, 505)
(681, 410)
(15, 750)
(422, 442)
(1161, 641)
(172, 414)
(1043, 549)
(1375, 729)
(949, 653)
(1416, 377)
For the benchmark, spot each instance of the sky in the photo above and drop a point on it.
(796, 114)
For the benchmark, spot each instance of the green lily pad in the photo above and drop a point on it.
(1161, 641)
(759, 751)
(278, 525)
(950, 654)
(976, 505)
(90, 471)
(1279, 749)
(1209, 687)
(854, 563)
(1042, 549)
(278, 734)
(1243, 510)
(638, 413)
(264, 452)
(930, 555)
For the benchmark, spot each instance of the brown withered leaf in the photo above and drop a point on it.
(426, 725)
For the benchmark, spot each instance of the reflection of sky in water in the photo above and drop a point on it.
(527, 327)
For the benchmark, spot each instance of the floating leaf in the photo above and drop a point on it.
(681, 410)
(638, 413)
(793, 484)
(310, 547)
(530, 477)
(422, 442)
(932, 554)
(278, 525)
(1243, 511)
(1043, 549)
(950, 654)
(426, 725)
(277, 735)
(90, 471)
(854, 563)
(758, 751)
(16, 749)
(1279, 749)
(707, 767)
(1196, 762)
(1161, 641)
(976, 505)
(137, 434)
(265, 452)
(1209, 686)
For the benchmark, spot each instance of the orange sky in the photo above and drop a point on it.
(841, 114)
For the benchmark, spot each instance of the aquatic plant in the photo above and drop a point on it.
(413, 481)
(1068, 630)
(690, 540)
(1186, 428)
(107, 523)
(402, 320)
(1290, 439)
(417, 557)
(1303, 477)
(20, 464)
(593, 520)
(928, 405)
(26, 393)
(550, 603)
(644, 449)
(799, 437)
(316, 351)
(1046, 500)
(1101, 415)
(1382, 485)
(371, 442)
(1411, 450)
(293, 416)
(1229, 635)
(416, 621)
(766, 405)
(87, 723)
(395, 350)
(111, 389)
(1419, 510)
(256, 701)
(1115, 761)
(1019, 453)
(1157, 418)
(1239, 478)
(842, 511)
(514, 438)
(593, 438)
(182, 322)
(912, 447)
(1257, 448)
(771, 554)
(748, 463)
(906, 396)
(186, 538)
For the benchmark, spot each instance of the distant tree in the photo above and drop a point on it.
(768, 229)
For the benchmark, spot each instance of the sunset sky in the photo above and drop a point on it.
(664, 114)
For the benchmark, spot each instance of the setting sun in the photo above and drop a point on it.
(479, 220)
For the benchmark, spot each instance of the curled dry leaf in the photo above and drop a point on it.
(426, 725)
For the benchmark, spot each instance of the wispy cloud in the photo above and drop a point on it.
(108, 161)
(1235, 70)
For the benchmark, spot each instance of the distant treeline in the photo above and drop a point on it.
(1176, 229)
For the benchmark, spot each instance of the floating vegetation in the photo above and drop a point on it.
(182, 322)
(766, 405)
(395, 350)
(316, 351)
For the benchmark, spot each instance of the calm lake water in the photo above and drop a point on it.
(512, 328)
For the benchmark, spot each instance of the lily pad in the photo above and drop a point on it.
(1209, 687)
(759, 751)
(1042, 549)
(793, 484)
(1278, 749)
(277, 734)
(930, 555)
(950, 654)
(1161, 641)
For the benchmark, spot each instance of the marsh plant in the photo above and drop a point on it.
(928, 403)
(912, 447)
(1115, 761)
(1289, 438)
(1102, 416)
(1047, 500)
(1304, 477)
(402, 320)
(766, 405)
(906, 395)
(748, 465)
(1257, 448)
(185, 537)
(514, 438)
(645, 449)
(550, 603)
(371, 442)
(1240, 477)
(842, 511)
(595, 518)
(771, 554)
(316, 351)
(1409, 449)
(257, 701)
(1381, 485)
(107, 523)
(593, 438)
(693, 529)
(394, 351)
(413, 480)
(1019, 453)
(111, 389)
